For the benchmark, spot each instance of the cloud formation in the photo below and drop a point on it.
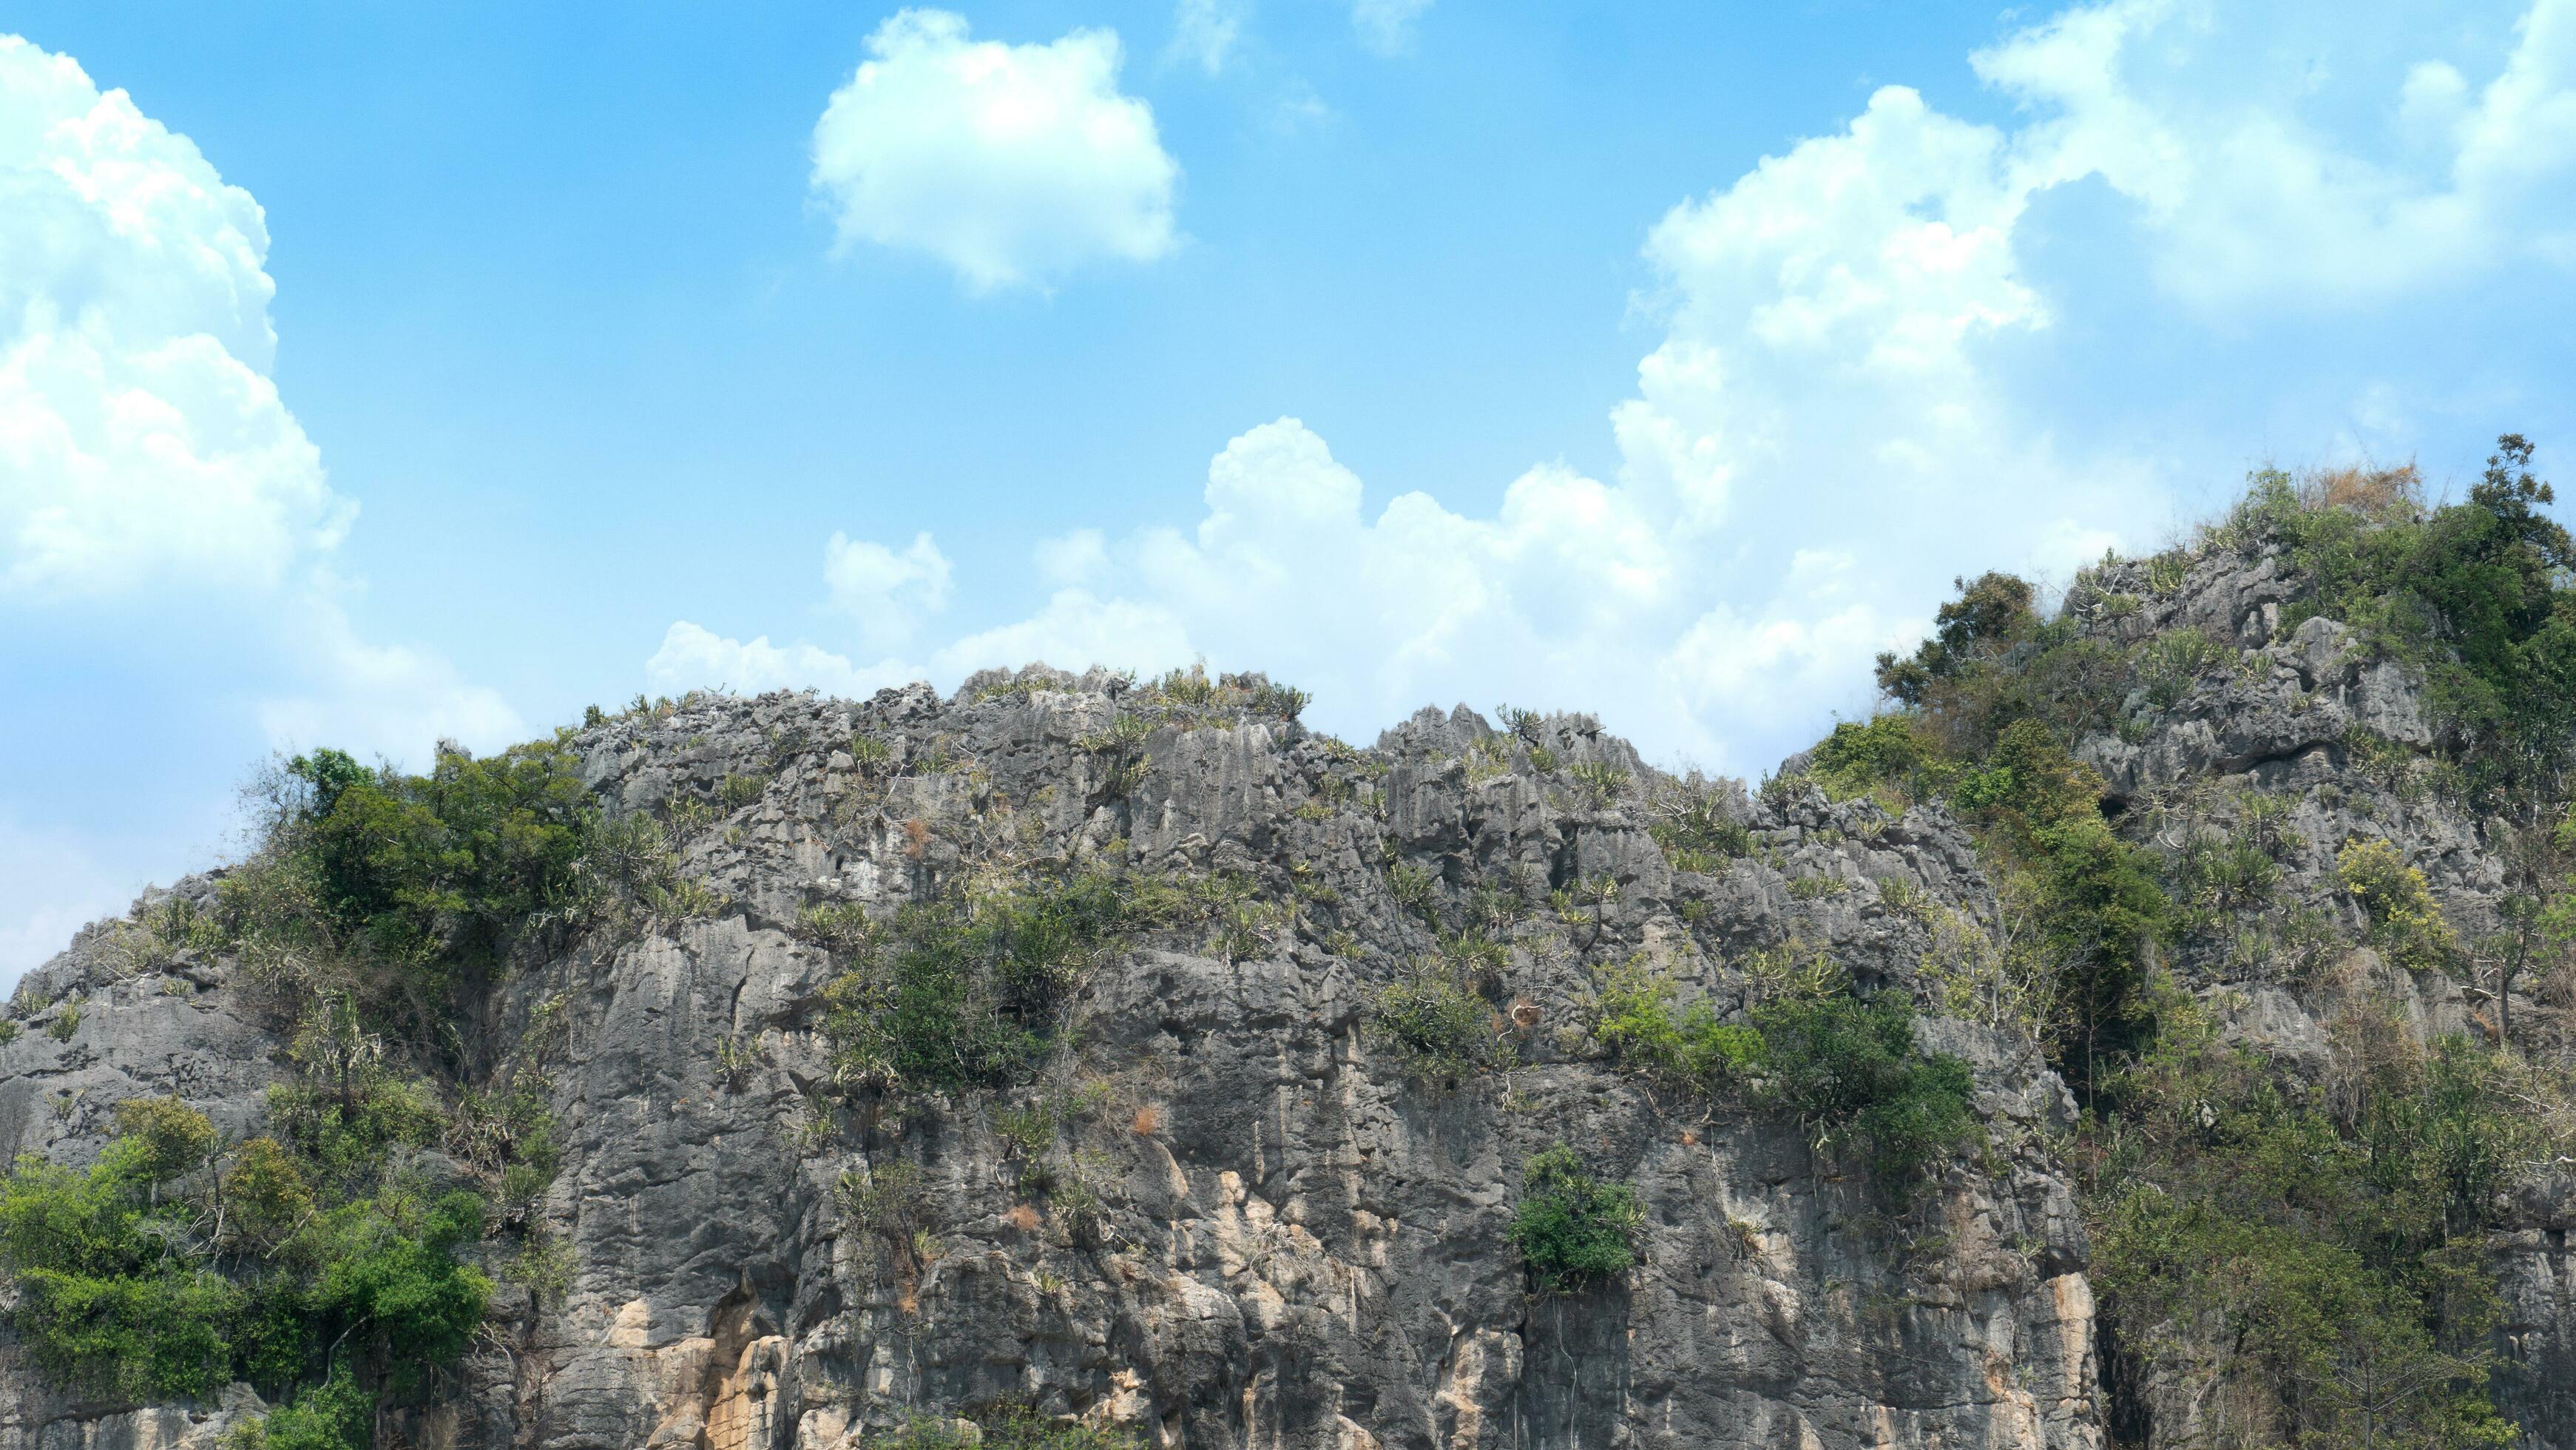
(1205, 32)
(1830, 423)
(1386, 26)
(2250, 203)
(141, 441)
(1011, 164)
(883, 593)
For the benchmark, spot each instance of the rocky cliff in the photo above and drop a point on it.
(1216, 1200)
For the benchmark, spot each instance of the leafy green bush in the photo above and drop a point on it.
(334, 1415)
(2404, 921)
(1849, 1072)
(965, 992)
(120, 1288)
(1846, 1070)
(1886, 750)
(2172, 662)
(2098, 899)
(106, 1294)
(1570, 1228)
(2318, 1265)
(1444, 1031)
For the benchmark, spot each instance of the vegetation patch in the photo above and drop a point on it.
(968, 991)
(1847, 1071)
(1443, 1030)
(1570, 1229)
(168, 1269)
(2316, 1255)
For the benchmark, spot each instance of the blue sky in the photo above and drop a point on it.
(370, 374)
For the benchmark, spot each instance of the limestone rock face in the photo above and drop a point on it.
(1291, 1242)
(1297, 1243)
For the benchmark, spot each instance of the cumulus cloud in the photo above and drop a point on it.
(1012, 164)
(50, 887)
(1386, 26)
(141, 441)
(2183, 109)
(885, 593)
(154, 487)
(1204, 32)
(337, 688)
(692, 656)
(1833, 422)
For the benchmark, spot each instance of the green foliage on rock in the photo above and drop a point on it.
(1846, 1071)
(2307, 1251)
(967, 991)
(2404, 921)
(1437, 1024)
(164, 1270)
(1570, 1228)
(2317, 1254)
(2476, 593)
(2096, 900)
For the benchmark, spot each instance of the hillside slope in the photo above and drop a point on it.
(1084, 1062)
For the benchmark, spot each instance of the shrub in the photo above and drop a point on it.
(1884, 750)
(1686, 1047)
(1443, 1031)
(2171, 663)
(1600, 781)
(2404, 921)
(1690, 822)
(2318, 1266)
(1571, 1229)
(176, 1138)
(1988, 614)
(963, 993)
(1847, 1071)
(334, 1415)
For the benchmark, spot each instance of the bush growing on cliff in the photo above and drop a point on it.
(2317, 1255)
(395, 889)
(965, 992)
(2475, 593)
(2404, 921)
(1847, 1071)
(1443, 1031)
(1571, 1229)
(2095, 899)
(138, 1277)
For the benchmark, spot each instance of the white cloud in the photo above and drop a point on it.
(1839, 414)
(2187, 110)
(140, 441)
(372, 699)
(1205, 32)
(1386, 26)
(1079, 630)
(154, 488)
(692, 657)
(1080, 557)
(1012, 164)
(51, 885)
(887, 594)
